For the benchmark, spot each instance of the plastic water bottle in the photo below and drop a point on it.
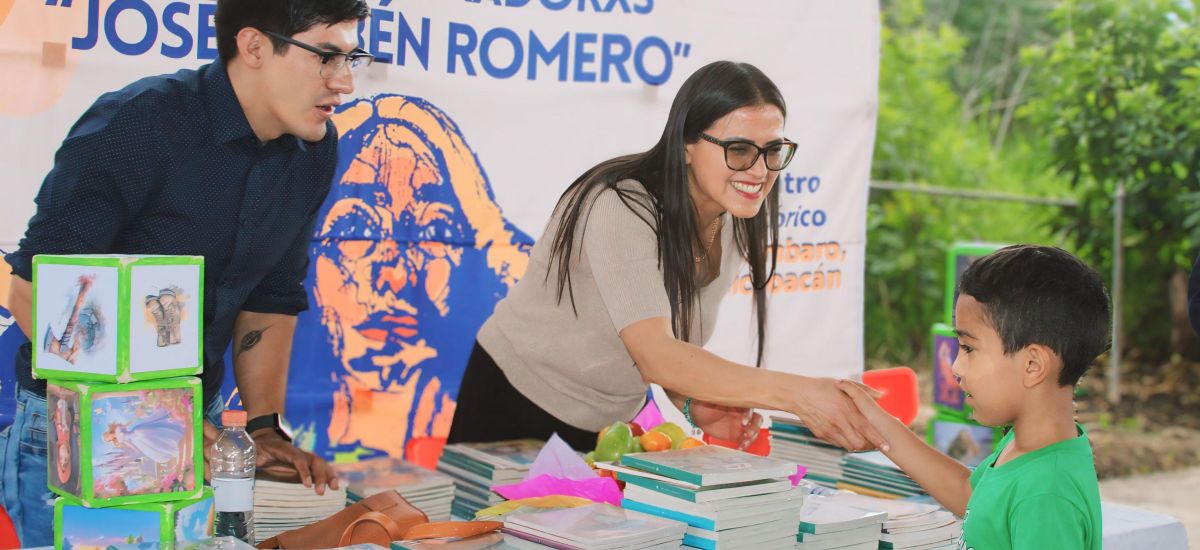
(233, 463)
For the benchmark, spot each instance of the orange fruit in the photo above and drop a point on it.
(655, 441)
(691, 442)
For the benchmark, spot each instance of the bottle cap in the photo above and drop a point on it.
(234, 418)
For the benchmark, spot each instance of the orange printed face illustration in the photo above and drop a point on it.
(410, 256)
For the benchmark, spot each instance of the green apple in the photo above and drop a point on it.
(616, 441)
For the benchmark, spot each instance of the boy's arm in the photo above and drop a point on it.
(944, 478)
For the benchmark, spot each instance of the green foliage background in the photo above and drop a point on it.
(1052, 99)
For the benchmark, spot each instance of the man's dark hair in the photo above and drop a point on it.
(1043, 295)
(283, 17)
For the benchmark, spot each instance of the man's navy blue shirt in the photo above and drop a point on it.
(170, 165)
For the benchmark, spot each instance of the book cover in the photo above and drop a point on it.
(770, 501)
(897, 510)
(512, 455)
(710, 465)
(368, 477)
(838, 539)
(820, 515)
(729, 519)
(596, 526)
(708, 494)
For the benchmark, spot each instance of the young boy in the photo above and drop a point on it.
(1030, 319)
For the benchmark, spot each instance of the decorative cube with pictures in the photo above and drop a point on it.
(948, 396)
(216, 543)
(113, 444)
(962, 440)
(958, 259)
(114, 318)
(76, 526)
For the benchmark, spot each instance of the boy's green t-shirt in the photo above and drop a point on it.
(1048, 498)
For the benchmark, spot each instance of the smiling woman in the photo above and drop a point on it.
(624, 286)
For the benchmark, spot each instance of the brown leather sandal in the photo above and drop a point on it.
(378, 519)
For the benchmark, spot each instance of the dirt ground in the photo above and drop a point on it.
(1156, 425)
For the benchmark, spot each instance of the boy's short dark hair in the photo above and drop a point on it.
(1043, 295)
(283, 17)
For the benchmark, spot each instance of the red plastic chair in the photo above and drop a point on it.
(424, 451)
(901, 398)
(760, 447)
(8, 533)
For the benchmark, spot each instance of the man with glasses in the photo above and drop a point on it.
(231, 161)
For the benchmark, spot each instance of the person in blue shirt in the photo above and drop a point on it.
(230, 161)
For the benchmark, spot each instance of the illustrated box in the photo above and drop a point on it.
(959, 257)
(113, 444)
(948, 396)
(962, 440)
(165, 523)
(217, 543)
(113, 318)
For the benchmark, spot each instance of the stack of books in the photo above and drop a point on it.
(828, 465)
(280, 506)
(728, 499)
(477, 467)
(496, 540)
(594, 527)
(876, 475)
(827, 524)
(910, 525)
(792, 441)
(430, 491)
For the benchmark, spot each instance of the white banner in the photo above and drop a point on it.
(536, 91)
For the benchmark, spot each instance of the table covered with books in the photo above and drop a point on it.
(805, 495)
(705, 497)
(713, 496)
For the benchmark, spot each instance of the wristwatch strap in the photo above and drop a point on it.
(267, 421)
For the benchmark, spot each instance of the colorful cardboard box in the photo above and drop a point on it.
(958, 258)
(218, 543)
(112, 318)
(77, 526)
(948, 396)
(961, 439)
(114, 444)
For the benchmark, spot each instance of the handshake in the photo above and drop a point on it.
(844, 413)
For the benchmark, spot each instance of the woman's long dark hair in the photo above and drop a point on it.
(712, 92)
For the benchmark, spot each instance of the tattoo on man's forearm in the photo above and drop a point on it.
(249, 340)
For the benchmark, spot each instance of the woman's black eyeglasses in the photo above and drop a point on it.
(741, 154)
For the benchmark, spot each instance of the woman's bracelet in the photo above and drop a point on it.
(687, 412)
